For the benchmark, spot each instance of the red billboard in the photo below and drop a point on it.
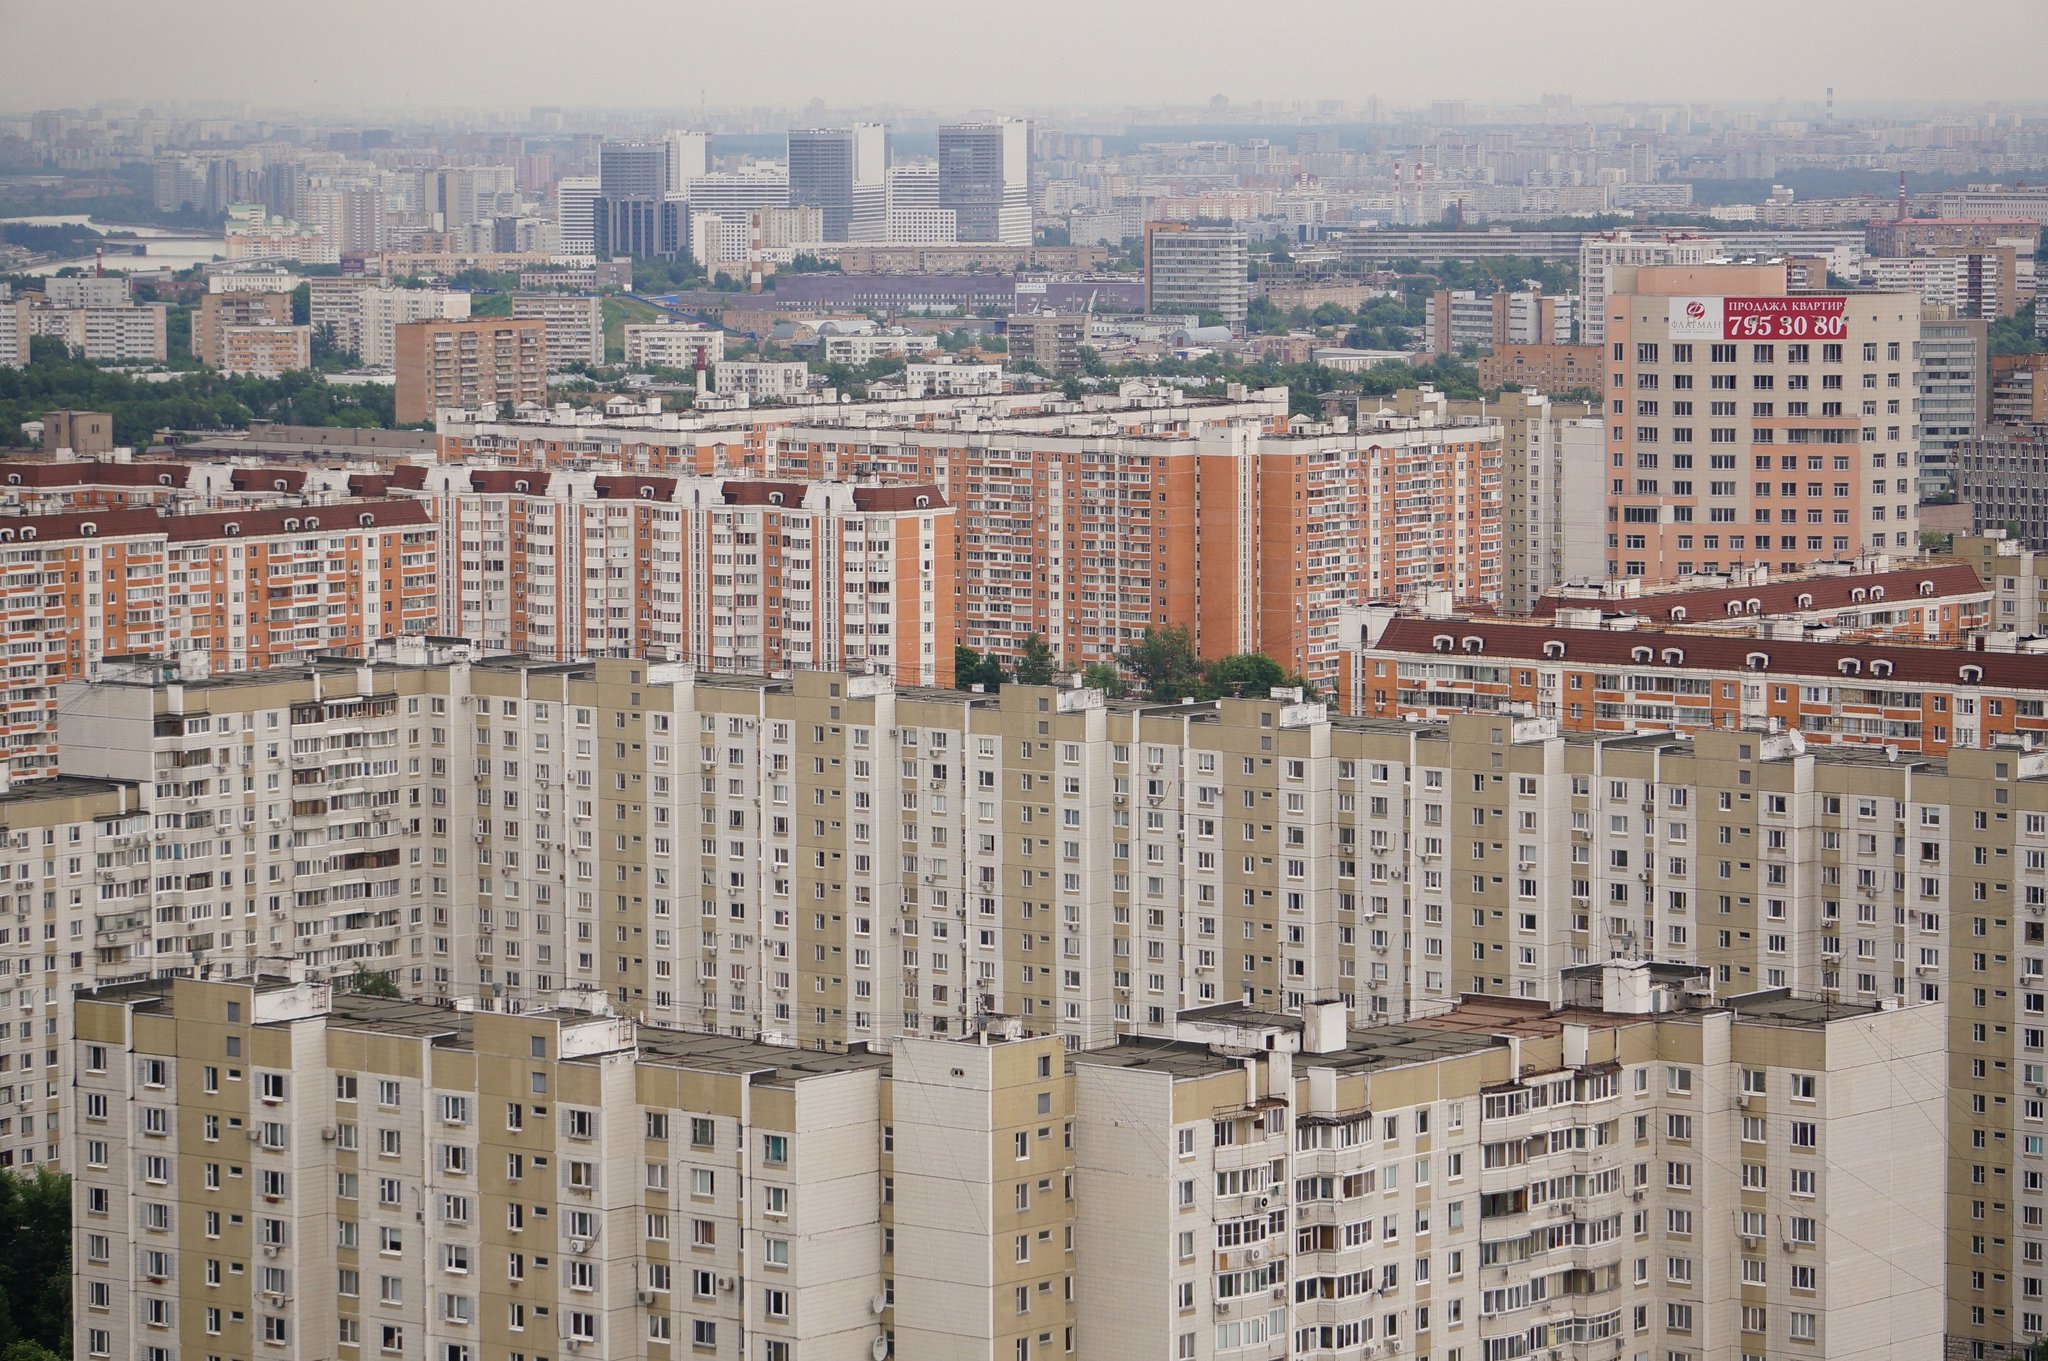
(1796, 318)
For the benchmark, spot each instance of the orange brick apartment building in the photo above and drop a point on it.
(246, 588)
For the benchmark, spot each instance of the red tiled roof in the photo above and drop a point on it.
(70, 524)
(268, 478)
(1706, 606)
(896, 497)
(270, 522)
(1714, 652)
(634, 487)
(77, 473)
(503, 481)
(764, 493)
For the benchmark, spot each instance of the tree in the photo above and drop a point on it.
(1036, 664)
(1247, 675)
(1102, 676)
(302, 304)
(1165, 664)
(35, 1271)
(971, 668)
(369, 983)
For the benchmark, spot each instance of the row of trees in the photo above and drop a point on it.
(203, 400)
(1162, 667)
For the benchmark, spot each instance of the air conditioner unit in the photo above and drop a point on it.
(644, 1296)
(328, 1134)
(1254, 1255)
(579, 1246)
(727, 1282)
(254, 1134)
(1264, 1201)
(270, 1249)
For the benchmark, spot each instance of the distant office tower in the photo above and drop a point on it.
(689, 155)
(633, 186)
(1953, 389)
(914, 211)
(730, 199)
(1197, 269)
(575, 213)
(841, 172)
(984, 177)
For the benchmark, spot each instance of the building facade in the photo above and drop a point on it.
(466, 364)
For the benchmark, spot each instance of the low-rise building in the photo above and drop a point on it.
(760, 380)
(673, 347)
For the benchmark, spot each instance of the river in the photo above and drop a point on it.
(163, 247)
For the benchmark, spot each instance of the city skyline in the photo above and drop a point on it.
(1074, 53)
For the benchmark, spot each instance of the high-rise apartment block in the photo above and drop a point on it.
(985, 180)
(450, 1181)
(501, 360)
(1197, 269)
(731, 575)
(245, 588)
(1747, 424)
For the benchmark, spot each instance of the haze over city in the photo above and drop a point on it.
(405, 59)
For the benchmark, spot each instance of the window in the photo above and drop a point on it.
(774, 1149)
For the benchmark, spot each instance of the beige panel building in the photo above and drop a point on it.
(266, 1168)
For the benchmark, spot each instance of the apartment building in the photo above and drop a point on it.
(729, 574)
(1197, 269)
(1552, 456)
(219, 311)
(500, 360)
(16, 330)
(1601, 253)
(1250, 539)
(575, 326)
(2019, 389)
(1809, 443)
(1051, 340)
(379, 312)
(1461, 317)
(2003, 477)
(75, 896)
(674, 347)
(1595, 679)
(1954, 381)
(866, 348)
(762, 380)
(266, 350)
(1544, 368)
(1862, 601)
(88, 290)
(242, 589)
(110, 335)
(914, 881)
(1251, 1182)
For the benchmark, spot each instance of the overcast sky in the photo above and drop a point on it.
(417, 55)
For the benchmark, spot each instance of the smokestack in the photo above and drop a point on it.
(1902, 196)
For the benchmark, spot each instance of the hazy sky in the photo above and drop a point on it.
(417, 55)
